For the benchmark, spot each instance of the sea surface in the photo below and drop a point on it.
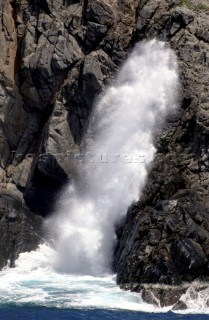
(35, 290)
(43, 313)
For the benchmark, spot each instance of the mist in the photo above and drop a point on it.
(116, 162)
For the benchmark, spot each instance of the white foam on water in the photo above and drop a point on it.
(34, 281)
(196, 300)
(122, 128)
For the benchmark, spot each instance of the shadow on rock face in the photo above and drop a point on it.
(168, 243)
(46, 183)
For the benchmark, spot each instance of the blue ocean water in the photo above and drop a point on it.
(34, 290)
(43, 313)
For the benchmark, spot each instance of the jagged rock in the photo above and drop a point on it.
(94, 34)
(79, 96)
(42, 68)
(165, 237)
(55, 59)
(163, 296)
(179, 251)
(180, 305)
(60, 141)
(100, 11)
(20, 230)
(188, 256)
(21, 172)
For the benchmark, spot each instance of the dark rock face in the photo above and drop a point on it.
(166, 244)
(165, 237)
(20, 230)
(163, 296)
(55, 59)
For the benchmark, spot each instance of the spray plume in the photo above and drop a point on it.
(123, 123)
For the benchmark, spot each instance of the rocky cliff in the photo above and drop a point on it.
(165, 238)
(56, 57)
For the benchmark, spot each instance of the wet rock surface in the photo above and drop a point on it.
(163, 296)
(20, 229)
(166, 244)
(185, 295)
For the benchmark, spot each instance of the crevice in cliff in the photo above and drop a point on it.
(41, 4)
(44, 117)
(85, 6)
